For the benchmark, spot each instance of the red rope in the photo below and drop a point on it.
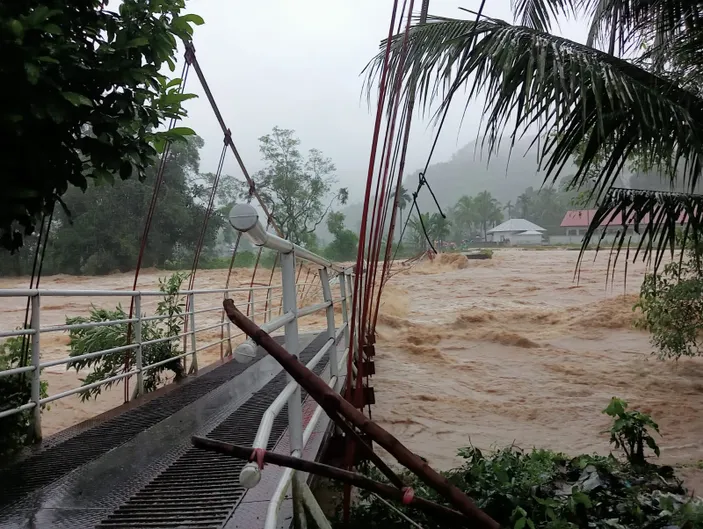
(359, 267)
(369, 178)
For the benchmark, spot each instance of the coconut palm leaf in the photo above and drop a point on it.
(656, 216)
(538, 14)
(571, 94)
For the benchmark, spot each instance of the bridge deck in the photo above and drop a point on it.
(137, 468)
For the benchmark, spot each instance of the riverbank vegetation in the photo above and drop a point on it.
(542, 489)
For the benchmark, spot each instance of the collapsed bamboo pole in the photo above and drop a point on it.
(333, 403)
(327, 471)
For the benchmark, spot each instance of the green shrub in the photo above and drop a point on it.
(630, 431)
(541, 489)
(89, 340)
(672, 305)
(15, 390)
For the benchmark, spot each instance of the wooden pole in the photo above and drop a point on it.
(333, 403)
(327, 471)
(373, 456)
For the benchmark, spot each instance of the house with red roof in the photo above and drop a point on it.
(576, 222)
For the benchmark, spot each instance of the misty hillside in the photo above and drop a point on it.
(505, 176)
(468, 173)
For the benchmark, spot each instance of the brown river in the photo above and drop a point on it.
(490, 353)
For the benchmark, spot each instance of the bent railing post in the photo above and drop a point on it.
(35, 323)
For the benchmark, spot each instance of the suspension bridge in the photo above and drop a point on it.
(286, 389)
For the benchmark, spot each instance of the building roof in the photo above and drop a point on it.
(530, 232)
(581, 218)
(514, 225)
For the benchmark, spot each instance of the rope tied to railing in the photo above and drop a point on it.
(258, 455)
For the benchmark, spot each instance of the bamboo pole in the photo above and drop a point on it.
(333, 403)
(327, 471)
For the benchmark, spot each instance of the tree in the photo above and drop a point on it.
(464, 218)
(509, 206)
(488, 210)
(672, 304)
(633, 89)
(439, 227)
(294, 188)
(436, 226)
(92, 242)
(83, 98)
(344, 247)
(524, 203)
(403, 200)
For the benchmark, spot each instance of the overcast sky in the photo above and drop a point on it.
(297, 64)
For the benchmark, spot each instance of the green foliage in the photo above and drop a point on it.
(541, 489)
(345, 245)
(633, 89)
(672, 305)
(92, 242)
(630, 431)
(437, 229)
(84, 98)
(295, 188)
(89, 340)
(15, 390)
(488, 210)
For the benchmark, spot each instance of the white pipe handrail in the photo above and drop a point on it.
(138, 345)
(279, 495)
(245, 219)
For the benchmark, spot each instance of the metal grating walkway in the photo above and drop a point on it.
(200, 489)
(55, 462)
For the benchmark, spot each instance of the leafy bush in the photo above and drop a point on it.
(541, 489)
(672, 305)
(15, 390)
(630, 431)
(89, 340)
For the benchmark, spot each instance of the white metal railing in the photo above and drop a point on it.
(245, 219)
(267, 297)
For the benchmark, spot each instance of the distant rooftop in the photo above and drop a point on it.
(581, 218)
(531, 232)
(516, 225)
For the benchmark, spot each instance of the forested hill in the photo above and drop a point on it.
(469, 172)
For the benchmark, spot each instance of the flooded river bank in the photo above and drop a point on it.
(513, 350)
(493, 352)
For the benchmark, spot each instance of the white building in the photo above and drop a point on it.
(516, 231)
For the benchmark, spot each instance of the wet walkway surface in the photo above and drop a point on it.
(138, 468)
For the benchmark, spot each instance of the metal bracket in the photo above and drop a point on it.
(368, 368)
(361, 398)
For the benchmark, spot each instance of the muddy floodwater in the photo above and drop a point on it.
(513, 350)
(492, 352)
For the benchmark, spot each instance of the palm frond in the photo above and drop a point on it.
(569, 93)
(538, 14)
(654, 23)
(657, 217)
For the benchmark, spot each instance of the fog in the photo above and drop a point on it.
(298, 65)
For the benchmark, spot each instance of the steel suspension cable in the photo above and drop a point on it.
(147, 225)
